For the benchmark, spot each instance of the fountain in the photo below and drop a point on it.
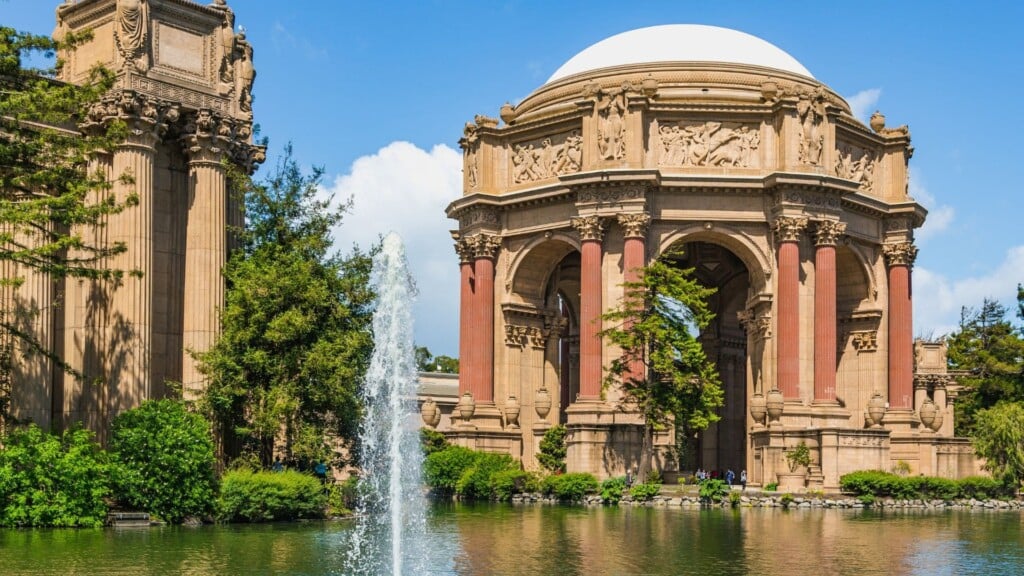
(392, 506)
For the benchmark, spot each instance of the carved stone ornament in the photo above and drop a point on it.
(245, 73)
(755, 324)
(226, 45)
(789, 228)
(828, 232)
(551, 157)
(611, 125)
(486, 246)
(611, 195)
(703, 144)
(147, 118)
(634, 225)
(857, 164)
(589, 227)
(864, 340)
(131, 32)
(473, 215)
(810, 109)
(521, 336)
(465, 247)
(902, 254)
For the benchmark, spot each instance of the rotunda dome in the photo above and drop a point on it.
(680, 43)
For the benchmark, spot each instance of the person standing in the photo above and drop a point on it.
(743, 480)
(729, 477)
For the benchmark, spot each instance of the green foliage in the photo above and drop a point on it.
(646, 491)
(426, 362)
(734, 499)
(876, 483)
(475, 482)
(712, 490)
(570, 487)
(553, 450)
(442, 470)
(506, 483)
(163, 460)
(999, 439)
(342, 497)
(612, 488)
(800, 455)
(982, 487)
(432, 441)
(268, 496)
(295, 340)
(902, 468)
(48, 480)
(990, 349)
(786, 500)
(771, 487)
(654, 477)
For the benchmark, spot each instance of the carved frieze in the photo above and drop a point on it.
(634, 225)
(589, 227)
(900, 254)
(814, 199)
(810, 109)
(611, 195)
(866, 441)
(521, 336)
(857, 164)
(548, 157)
(474, 215)
(828, 232)
(789, 228)
(864, 340)
(703, 144)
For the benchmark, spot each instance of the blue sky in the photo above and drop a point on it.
(377, 93)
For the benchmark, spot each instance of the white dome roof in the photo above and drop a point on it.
(680, 43)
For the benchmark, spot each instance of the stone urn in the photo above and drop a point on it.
(649, 86)
(512, 412)
(542, 403)
(927, 413)
(508, 113)
(466, 407)
(774, 404)
(937, 423)
(430, 413)
(758, 408)
(876, 409)
(877, 121)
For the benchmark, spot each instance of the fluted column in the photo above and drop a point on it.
(464, 248)
(787, 234)
(591, 231)
(900, 258)
(633, 259)
(486, 249)
(826, 236)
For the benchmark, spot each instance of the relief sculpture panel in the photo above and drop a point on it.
(857, 164)
(703, 144)
(547, 157)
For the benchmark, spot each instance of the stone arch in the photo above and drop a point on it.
(758, 263)
(532, 267)
(854, 279)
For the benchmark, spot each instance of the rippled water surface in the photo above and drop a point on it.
(504, 539)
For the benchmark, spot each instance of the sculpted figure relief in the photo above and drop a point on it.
(226, 40)
(611, 130)
(810, 109)
(131, 30)
(245, 73)
(531, 163)
(855, 164)
(706, 144)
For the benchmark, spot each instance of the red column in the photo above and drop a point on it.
(900, 257)
(633, 259)
(591, 230)
(483, 340)
(826, 235)
(466, 310)
(787, 232)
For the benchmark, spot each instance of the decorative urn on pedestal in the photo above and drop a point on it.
(512, 412)
(758, 408)
(466, 407)
(542, 404)
(927, 413)
(430, 413)
(774, 404)
(937, 422)
(876, 409)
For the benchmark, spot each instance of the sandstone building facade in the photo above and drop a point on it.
(184, 89)
(721, 147)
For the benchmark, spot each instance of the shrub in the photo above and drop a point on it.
(342, 497)
(877, 483)
(786, 500)
(874, 482)
(442, 470)
(267, 496)
(48, 480)
(981, 487)
(506, 483)
(771, 487)
(570, 486)
(162, 460)
(611, 489)
(934, 488)
(712, 490)
(799, 456)
(867, 499)
(475, 482)
(654, 477)
(734, 499)
(552, 449)
(646, 491)
(432, 441)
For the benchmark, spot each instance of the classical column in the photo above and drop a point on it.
(464, 248)
(486, 249)
(826, 235)
(900, 258)
(591, 230)
(207, 142)
(634, 228)
(787, 234)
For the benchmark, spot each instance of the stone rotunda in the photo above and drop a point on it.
(719, 146)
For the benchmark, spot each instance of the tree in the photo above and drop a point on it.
(663, 370)
(296, 340)
(990, 351)
(426, 362)
(999, 439)
(48, 197)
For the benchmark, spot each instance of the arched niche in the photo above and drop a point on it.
(533, 266)
(757, 262)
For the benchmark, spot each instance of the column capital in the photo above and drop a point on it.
(589, 227)
(789, 228)
(828, 232)
(634, 225)
(901, 254)
(470, 248)
(465, 247)
(208, 137)
(147, 119)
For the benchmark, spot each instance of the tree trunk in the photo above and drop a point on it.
(646, 454)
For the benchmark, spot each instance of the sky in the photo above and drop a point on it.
(377, 93)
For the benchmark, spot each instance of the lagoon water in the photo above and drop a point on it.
(559, 540)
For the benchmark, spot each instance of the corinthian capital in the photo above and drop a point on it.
(634, 225)
(465, 248)
(146, 118)
(589, 227)
(902, 254)
(486, 246)
(208, 137)
(788, 228)
(828, 232)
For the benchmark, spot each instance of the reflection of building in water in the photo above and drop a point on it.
(723, 148)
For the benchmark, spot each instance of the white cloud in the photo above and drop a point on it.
(938, 299)
(940, 216)
(406, 189)
(863, 103)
